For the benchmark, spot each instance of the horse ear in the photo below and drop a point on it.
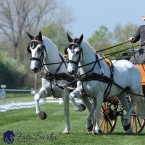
(40, 36)
(30, 36)
(80, 39)
(69, 38)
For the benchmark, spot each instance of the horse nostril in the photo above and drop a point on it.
(34, 69)
(71, 72)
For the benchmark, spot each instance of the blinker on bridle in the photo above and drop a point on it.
(72, 50)
(28, 48)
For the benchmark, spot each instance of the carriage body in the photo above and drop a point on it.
(141, 67)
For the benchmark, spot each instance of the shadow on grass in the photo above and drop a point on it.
(123, 134)
(109, 134)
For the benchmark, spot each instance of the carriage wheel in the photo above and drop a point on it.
(137, 123)
(108, 117)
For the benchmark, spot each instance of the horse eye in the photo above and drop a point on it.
(77, 52)
(39, 49)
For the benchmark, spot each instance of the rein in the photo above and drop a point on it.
(55, 76)
(113, 46)
(110, 54)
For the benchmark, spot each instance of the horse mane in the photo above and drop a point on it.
(84, 43)
(46, 38)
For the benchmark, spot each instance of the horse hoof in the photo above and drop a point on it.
(100, 131)
(89, 129)
(83, 106)
(45, 116)
(94, 133)
(127, 127)
(65, 132)
(128, 131)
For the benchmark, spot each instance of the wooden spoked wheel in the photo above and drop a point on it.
(108, 117)
(137, 123)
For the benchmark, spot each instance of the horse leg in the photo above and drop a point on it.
(37, 97)
(98, 104)
(87, 103)
(140, 106)
(133, 102)
(77, 94)
(126, 118)
(66, 113)
(89, 124)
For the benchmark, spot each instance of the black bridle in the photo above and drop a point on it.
(72, 46)
(52, 78)
(42, 55)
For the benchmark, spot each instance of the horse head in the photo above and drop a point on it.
(36, 48)
(73, 51)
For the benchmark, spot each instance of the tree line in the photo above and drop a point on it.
(51, 18)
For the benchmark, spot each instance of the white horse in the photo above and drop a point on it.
(55, 76)
(98, 81)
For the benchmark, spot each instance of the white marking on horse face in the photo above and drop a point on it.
(36, 53)
(73, 55)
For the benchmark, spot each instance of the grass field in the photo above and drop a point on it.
(26, 126)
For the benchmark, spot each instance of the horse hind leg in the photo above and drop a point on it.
(134, 101)
(140, 106)
(126, 122)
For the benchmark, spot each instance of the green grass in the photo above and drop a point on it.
(26, 122)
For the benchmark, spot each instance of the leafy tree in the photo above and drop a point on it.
(12, 73)
(19, 16)
(101, 38)
(120, 35)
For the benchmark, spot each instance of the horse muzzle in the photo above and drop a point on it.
(71, 72)
(35, 70)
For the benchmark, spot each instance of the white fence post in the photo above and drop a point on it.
(2, 94)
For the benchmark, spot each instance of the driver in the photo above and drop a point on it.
(139, 57)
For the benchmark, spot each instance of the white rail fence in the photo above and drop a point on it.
(18, 105)
(59, 100)
(7, 106)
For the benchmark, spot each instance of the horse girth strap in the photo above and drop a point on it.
(96, 76)
(58, 76)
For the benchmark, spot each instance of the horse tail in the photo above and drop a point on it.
(140, 106)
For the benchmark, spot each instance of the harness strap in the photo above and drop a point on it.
(96, 76)
(59, 76)
(73, 43)
(34, 58)
(107, 91)
(37, 41)
(83, 90)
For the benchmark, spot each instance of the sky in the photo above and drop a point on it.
(91, 14)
